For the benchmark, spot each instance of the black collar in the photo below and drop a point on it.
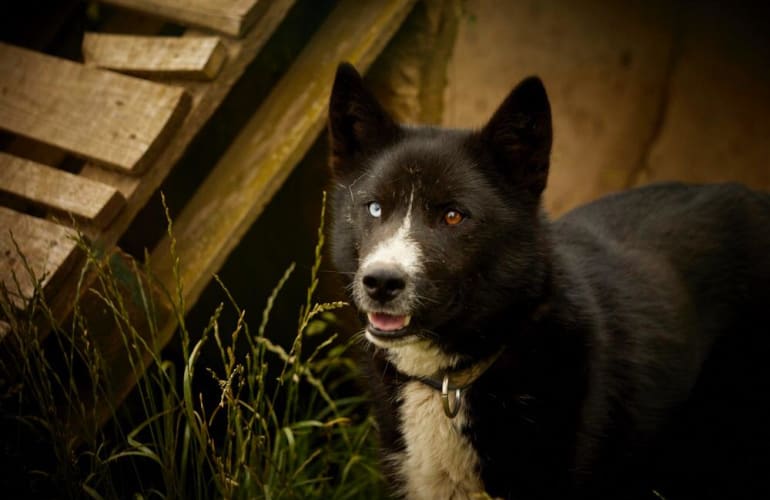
(458, 381)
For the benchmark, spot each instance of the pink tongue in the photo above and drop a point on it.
(387, 322)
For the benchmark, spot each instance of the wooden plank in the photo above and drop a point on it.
(113, 119)
(60, 191)
(156, 56)
(231, 17)
(272, 143)
(48, 249)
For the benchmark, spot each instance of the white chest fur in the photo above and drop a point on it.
(439, 461)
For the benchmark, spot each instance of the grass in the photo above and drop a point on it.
(282, 422)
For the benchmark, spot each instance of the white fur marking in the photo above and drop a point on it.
(439, 461)
(399, 249)
(420, 358)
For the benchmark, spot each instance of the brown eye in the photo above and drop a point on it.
(453, 217)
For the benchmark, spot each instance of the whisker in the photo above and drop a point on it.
(360, 337)
(334, 271)
(421, 300)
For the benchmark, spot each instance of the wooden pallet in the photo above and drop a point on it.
(130, 132)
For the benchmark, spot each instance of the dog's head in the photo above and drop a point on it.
(437, 229)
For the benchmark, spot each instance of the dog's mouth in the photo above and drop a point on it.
(386, 326)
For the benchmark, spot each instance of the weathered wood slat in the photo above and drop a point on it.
(112, 119)
(48, 249)
(231, 17)
(156, 56)
(60, 191)
(272, 143)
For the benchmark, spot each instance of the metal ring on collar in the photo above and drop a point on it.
(449, 409)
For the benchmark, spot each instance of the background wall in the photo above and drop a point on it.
(641, 90)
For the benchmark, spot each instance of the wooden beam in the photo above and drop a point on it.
(59, 191)
(231, 17)
(156, 56)
(112, 119)
(272, 143)
(47, 248)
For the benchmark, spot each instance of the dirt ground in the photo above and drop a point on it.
(641, 90)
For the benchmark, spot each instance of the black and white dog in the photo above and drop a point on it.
(618, 352)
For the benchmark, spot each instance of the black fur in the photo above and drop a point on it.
(636, 327)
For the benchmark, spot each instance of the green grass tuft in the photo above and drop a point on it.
(282, 424)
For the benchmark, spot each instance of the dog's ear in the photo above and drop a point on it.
(519, 135)
(358, 125)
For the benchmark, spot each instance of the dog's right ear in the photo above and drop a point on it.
(358, 125)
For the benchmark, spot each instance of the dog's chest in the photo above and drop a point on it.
(439, 461)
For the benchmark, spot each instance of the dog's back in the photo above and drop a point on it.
(680, 278)
(702, 251)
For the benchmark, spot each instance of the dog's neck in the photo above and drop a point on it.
(462, 377)
(456, 381)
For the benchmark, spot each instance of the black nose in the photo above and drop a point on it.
(384, 284)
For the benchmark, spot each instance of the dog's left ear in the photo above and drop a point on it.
(358, 125)
(519, 135)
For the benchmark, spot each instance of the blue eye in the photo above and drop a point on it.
(375, 210)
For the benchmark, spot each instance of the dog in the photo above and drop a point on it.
(619, 352)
